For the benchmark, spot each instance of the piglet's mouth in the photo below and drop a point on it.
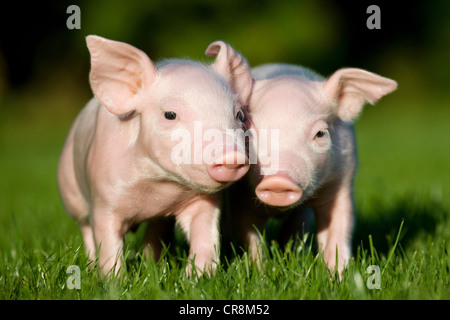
(278, 191)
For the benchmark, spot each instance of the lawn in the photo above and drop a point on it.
(402, 196)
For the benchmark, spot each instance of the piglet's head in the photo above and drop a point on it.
(180, 113)
(310, 114)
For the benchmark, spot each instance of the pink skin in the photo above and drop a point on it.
(317, 156)
(116, 170)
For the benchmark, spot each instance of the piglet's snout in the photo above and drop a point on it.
(278, 190)
(230, 166)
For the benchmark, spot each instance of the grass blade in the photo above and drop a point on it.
(392, 250)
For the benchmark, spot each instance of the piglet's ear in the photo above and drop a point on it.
(351, 88)
(119, 74)
(234, 67)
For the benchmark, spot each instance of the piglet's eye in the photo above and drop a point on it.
(321, 134)
(170, 115)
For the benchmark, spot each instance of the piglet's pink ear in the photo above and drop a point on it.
(119, 74)
(351, 88)
(234, 67)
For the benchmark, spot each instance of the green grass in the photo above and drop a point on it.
(403, 182)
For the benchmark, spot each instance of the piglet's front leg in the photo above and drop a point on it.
(334, 219)
(108, 235)
(200, 220)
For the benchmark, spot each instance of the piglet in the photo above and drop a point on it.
(121, 165)
(312, 158)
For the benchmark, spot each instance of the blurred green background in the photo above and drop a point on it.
(403, 142)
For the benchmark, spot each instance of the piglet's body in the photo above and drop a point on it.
(117, 169)
(317, 158)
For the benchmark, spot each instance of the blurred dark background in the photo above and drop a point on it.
(414, 40)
